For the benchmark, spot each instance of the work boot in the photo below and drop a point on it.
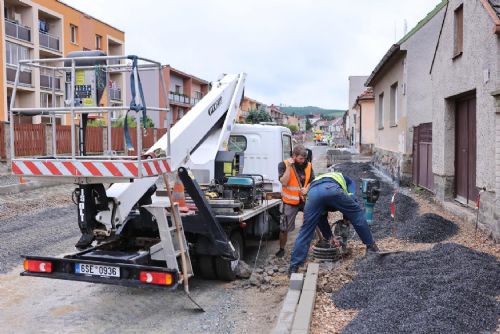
(292, 270)
(280, 253)
(85, 241)
(372, 249)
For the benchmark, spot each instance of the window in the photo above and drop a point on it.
(14, 53)
(394, 104)
(197, 95)
(177, 89)
(381, 111)
(237, 143)
(44, 100)
(98, 42)
(287, 147)
(73, 34)
(459, 31)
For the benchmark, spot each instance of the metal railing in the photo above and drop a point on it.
(115, 94)
(49, 41)
(180, 98)
(71, 108)
(14, 29)
(25, 78)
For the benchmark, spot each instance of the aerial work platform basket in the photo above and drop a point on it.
(86, 76)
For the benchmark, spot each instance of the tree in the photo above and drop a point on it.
(293, 128)
(257, 116)
(131, 122)
(308, 124)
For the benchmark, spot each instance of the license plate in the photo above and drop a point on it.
(97, 270)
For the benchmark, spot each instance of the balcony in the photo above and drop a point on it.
(24, 76)
(194, 101)
(114, 61)
(48, 81)
(179, 98)
(15, 30)
(49, 41)
(115, 94)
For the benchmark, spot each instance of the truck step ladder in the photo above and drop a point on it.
(171, 245)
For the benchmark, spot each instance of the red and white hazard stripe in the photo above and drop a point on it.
(86, 168)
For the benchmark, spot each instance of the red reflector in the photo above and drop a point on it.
(243, 225)
(152, 277)
(37, 266)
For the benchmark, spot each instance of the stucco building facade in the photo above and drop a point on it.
(466, 108)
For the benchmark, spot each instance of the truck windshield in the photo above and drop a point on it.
(237, 143)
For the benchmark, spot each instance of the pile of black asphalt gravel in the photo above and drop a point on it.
(428, 228)
(408, 224)
(447, 289)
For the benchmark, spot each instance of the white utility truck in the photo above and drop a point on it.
(130, 234)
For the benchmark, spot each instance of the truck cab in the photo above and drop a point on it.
(263, 147)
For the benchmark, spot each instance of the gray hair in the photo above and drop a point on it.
(299, 150)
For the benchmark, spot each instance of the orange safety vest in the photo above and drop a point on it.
(291, 192)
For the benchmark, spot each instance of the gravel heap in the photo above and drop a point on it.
(382, 226)
(447, 289)
(428, 228)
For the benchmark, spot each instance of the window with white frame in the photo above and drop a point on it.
(381, 111)
(73, 34)
(394, 104)
(15, 52)
(44, 100)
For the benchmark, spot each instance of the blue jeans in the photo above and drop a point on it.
(323, 196)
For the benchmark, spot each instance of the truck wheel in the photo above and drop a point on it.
(226, 270)
(206, 265)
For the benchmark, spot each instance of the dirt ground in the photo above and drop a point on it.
(327, 318)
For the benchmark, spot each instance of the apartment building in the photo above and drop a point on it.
(185, 90)
(247, 104)
(33, 29)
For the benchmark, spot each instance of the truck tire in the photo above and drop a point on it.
(206, 266)
(226, 270)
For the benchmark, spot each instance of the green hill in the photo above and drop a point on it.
(300, 111)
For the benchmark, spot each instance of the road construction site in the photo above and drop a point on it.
(441, 278)
(444, 279)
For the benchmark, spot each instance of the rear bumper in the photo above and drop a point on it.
(64, 269)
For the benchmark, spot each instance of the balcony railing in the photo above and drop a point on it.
(48, 81)
(24, 76)
(194, 101)
(13, 29)
(181, 98)
(115, 94)
(49, 41)
(113, 61)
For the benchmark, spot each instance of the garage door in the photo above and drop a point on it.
(422, 156)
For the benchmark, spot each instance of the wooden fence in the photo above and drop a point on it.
(63, 136)
(94, 140)
(34, 139)
(29, 139)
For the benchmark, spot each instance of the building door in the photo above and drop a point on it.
(465, 150)
(422, 156)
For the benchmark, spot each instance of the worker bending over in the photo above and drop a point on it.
(330, 192)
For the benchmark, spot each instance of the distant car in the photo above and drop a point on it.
(322, 142)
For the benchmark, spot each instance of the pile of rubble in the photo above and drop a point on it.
(272, 273)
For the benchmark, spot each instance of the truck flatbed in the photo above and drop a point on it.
(249, 213)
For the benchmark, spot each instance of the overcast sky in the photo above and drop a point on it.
(295, 52)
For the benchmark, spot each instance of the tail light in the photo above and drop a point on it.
(37, 266)
(152, 277)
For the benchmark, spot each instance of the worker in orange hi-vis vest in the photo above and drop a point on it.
(295, 175)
